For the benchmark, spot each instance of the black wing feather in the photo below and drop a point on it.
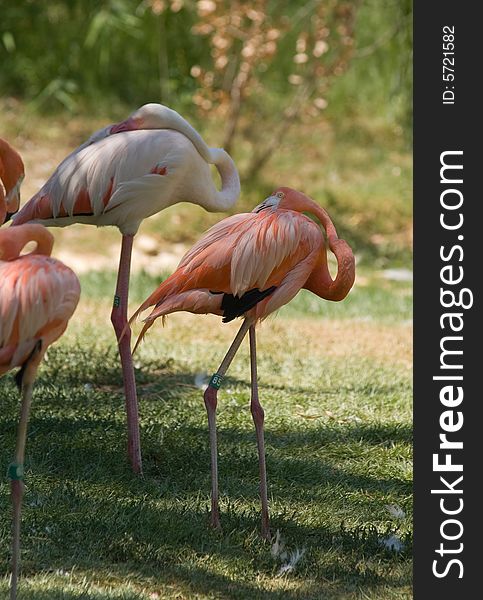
(234, 307)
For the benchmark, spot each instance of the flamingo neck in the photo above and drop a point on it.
(157, 116)
(14, 239)
(11, 167)
(320, 281)
(230, 181)
(11, 175)
(162, 117)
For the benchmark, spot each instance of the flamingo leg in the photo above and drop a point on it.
(258, 415)
(16, 469)
(210, 398)
(123, 334)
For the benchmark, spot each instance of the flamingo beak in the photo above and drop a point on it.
(267, 203)
(127, 125)
(12, 200)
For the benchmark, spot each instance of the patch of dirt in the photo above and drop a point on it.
(146, 256)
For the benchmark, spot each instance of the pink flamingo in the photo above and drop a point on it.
(11, 175)
(250, 265)
(38, 295)
(123, 174)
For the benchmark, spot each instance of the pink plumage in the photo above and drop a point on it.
(250, 265)
(275, 246)
(130, 171)
(38, 295)
(11, 176)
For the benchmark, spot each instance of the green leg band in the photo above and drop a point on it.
(117, 301)
(215, 381)
(15, 472)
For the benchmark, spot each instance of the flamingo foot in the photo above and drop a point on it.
(265, 532)
(215, 519)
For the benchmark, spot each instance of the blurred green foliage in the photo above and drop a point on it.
(76, 64)
(72, 51)
(379, 82)
(81, 54)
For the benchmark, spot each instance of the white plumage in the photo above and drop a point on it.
(127, 172)
(121, 175)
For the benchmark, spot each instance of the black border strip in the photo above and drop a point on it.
(438, 128)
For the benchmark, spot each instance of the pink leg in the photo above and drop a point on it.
(211, 400)
(258, 415)
(123, 334)
(15, 470)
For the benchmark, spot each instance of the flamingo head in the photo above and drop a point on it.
(12, 173)
(286, 198)
(149, 116)
(130, 124)
(337, 289)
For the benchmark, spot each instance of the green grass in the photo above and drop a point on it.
(335, 381)
(337, 396)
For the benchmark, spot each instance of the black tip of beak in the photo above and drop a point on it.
(8, 216)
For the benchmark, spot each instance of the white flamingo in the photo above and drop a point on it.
(123, 174)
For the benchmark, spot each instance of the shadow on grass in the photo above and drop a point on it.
(98, 515)
(93, 428)
(196, 580)
(152, 542)
(100, 441)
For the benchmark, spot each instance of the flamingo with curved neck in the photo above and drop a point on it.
(158, 116)
(121, 175)
(38, 296)
(320, 281)
(249, 265)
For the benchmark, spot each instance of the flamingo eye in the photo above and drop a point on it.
(280, 194)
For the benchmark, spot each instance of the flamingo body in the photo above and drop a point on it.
(262, 258)
(123, 179)
(250, 265)
(131, 170)
(38, 295)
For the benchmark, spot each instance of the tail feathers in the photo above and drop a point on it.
(148, 323)
(37, 208)
(136, 314)
(155, 298)
(195, 301)
(159, 311)
(144, 330)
